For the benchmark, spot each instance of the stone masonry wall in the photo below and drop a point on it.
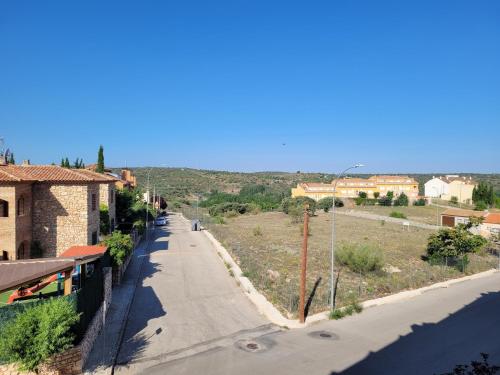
(93, 218)
(61, 216)
(107, 196)
(24, 217)
(7, 224)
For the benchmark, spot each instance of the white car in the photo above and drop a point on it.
(161, 221)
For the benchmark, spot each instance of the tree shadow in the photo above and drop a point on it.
(311, 297)
(435, 348)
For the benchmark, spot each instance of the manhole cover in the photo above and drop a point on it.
(250, 346)
(325, 335)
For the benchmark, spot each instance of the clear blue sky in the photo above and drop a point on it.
(400, 86)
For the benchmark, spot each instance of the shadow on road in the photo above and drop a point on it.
(435, 348)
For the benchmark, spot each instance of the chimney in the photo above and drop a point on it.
(26, 162)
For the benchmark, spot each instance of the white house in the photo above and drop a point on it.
(436, 187)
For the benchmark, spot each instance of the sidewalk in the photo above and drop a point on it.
(107, 344)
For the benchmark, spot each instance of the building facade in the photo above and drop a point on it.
(446, 187)
(52, 207)
(351, 187)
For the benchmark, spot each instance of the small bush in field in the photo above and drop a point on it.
(360, 258)
(257, 231)
(397, 215)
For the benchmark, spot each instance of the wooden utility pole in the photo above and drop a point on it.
(303, 267)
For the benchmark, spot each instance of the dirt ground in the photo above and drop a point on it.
(267, 246)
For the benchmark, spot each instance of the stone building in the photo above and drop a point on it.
(51, 207)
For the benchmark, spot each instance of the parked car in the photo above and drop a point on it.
(160, 221)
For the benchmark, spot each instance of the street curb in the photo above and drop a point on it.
(273, 314)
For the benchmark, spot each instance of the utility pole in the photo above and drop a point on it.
(303, 267)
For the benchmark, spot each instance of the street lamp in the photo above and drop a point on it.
(337, 177)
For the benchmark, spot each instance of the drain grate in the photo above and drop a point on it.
(324, 335)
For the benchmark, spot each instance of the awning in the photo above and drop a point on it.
(16, 273)
(84, 254)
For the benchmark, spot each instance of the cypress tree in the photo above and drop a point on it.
(66, 163)
(100, 160)
(11, 160)
(62, 163)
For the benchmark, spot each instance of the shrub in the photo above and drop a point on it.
(376, 194)
(223, 208)
(120, 246)
(401, 200)
(362, 194)
(257, 231)
(104, 219)
(454, 200)
(480, 206)
(38, 332)
(140, 226)
(359, 201)
(297, 204)
(360, 258)
(385, 201)
(325, 204)
(419, 202)
(397, 214)
(219, 220)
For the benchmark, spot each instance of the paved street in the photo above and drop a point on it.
(424, 335)
(186, 302)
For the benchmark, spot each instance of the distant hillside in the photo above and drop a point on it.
(186, 183)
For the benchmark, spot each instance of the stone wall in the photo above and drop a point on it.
(93, 218)
(65, 363)
(107, 196)
(24, 198)
(7, 224)
(61, 216)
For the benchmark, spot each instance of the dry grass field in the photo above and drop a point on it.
(423, 214)
(267, 247)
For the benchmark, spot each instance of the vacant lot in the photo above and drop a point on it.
(267, 247)
(423, 214)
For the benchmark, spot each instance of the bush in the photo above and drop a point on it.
(295, 205)
(222, 208)
(385, 201)
(120, 246)
(360, 258)
(140, 226)
(362, 194)
(219, 220)
(376, 194)
(454, 200)
(38, 332)
(325, 204)
(397, 214)
(419, 202)
(104, 219)
(359, 201)
(257, 231)
(481, 206)
(401, 200)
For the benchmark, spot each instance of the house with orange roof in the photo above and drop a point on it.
(351, 187)
(490, 225)
(50, 206)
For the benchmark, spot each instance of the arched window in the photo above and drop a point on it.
(20, 206)
(4, 208)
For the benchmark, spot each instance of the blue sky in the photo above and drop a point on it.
(400, 86)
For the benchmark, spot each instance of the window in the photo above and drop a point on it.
(94, 238)
(4, 208)
(20, 206)
(94, 202)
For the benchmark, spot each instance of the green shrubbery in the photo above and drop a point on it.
(326, 204)
(120, 246)
(104, 219)
(38, 332)
(360, 258)
(419, 202)
(454, 243)
(223, 208)
(397, 215)
(401, 200)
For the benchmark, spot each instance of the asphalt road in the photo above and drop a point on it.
(186, 303)
(428, 334)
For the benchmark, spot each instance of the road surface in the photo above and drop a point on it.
(425, 335)
(186, 302)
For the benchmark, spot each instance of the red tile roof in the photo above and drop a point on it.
(463, 213)
(83, 251)
(49, 173)
(492, 218)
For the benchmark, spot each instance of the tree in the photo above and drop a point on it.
(480, 206)
(11, 159)
(104, 219)
(454, 200)
(401, 200)
(484, 192)
(385, 201)
(100, 160)
(66, 163)
(362, 194)
(376, 194)
(120, 246)
(78, 164)
(390, 194)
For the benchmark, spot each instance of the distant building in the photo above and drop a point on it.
(351, 187)
(57, 207)
(126, 180)
(490, 225)
(446, 187)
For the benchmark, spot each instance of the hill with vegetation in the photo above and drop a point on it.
(187, 183)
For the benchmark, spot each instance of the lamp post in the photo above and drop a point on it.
(147, 203)
(337, 177)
